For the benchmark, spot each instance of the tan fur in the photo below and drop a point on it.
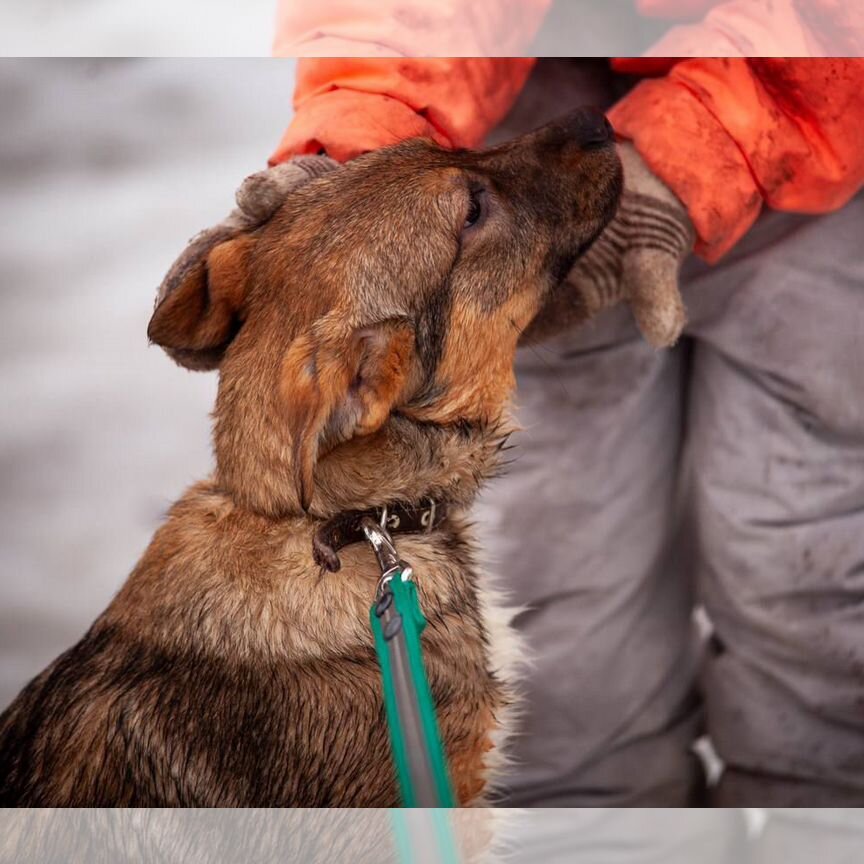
(365, 337)
(481, 357)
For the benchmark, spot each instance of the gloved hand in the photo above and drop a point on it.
(258, 198)
(637, 259)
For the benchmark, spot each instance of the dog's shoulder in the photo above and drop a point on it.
(58, 724)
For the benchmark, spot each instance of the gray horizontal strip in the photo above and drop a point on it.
(570, 28)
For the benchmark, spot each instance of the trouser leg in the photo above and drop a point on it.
(626, 836)
(776, 461)
(579, 529)
(801, 836)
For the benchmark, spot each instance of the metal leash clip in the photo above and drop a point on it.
(385, 551)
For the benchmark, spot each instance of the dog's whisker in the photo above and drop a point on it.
(546, 363)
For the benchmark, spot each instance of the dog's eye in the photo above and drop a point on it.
(475, 208)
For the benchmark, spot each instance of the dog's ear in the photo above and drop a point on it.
(337, 385)
(202, 312)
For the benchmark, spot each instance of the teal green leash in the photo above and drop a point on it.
(397, 622)
(424, 836)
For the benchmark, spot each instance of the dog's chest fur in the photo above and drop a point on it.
(229, 671)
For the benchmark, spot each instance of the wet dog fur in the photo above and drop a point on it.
(365, 338)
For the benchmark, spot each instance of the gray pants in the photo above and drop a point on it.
(727, 472)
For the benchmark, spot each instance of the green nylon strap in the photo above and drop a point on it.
(407, 697)
(424, 835)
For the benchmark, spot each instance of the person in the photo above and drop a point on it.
(727, 471)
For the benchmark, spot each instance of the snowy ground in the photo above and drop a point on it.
(106, 168)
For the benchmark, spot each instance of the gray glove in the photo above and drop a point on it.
(636, 259)
(258, 198)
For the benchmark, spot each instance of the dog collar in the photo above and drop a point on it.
(396, 518)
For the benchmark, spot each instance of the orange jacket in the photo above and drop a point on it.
(727, 135)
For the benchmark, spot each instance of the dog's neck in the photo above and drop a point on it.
(406, 461)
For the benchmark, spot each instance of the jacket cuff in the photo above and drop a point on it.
(345, 123)
(685, 145)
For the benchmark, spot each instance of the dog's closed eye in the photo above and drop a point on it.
(478, 207)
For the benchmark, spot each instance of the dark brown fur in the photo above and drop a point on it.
(365, 338)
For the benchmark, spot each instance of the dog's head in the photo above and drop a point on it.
(398, 284)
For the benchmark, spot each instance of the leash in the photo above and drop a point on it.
(397, 622)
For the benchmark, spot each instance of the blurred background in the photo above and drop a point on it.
(587, 28)
(226, 28)
(106, 169)
(129, 28)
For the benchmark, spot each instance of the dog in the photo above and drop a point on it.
(365, 336)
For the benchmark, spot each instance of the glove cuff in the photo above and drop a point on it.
(653, 223)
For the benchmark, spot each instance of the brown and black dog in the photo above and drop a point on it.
(365, 337)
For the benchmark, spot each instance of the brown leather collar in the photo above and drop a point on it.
(397, 518)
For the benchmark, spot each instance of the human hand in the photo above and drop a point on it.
(637, 259)
(260, 195)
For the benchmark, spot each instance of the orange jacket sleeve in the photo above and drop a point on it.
(729, 135)
(406, 28)
(348, 106)
(363, 101)
(779, 28)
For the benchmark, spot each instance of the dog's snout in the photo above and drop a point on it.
(591, 129)
(583, 129)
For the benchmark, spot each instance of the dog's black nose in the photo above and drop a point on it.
(591, 129)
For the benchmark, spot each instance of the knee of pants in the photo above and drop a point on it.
(787, 307)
